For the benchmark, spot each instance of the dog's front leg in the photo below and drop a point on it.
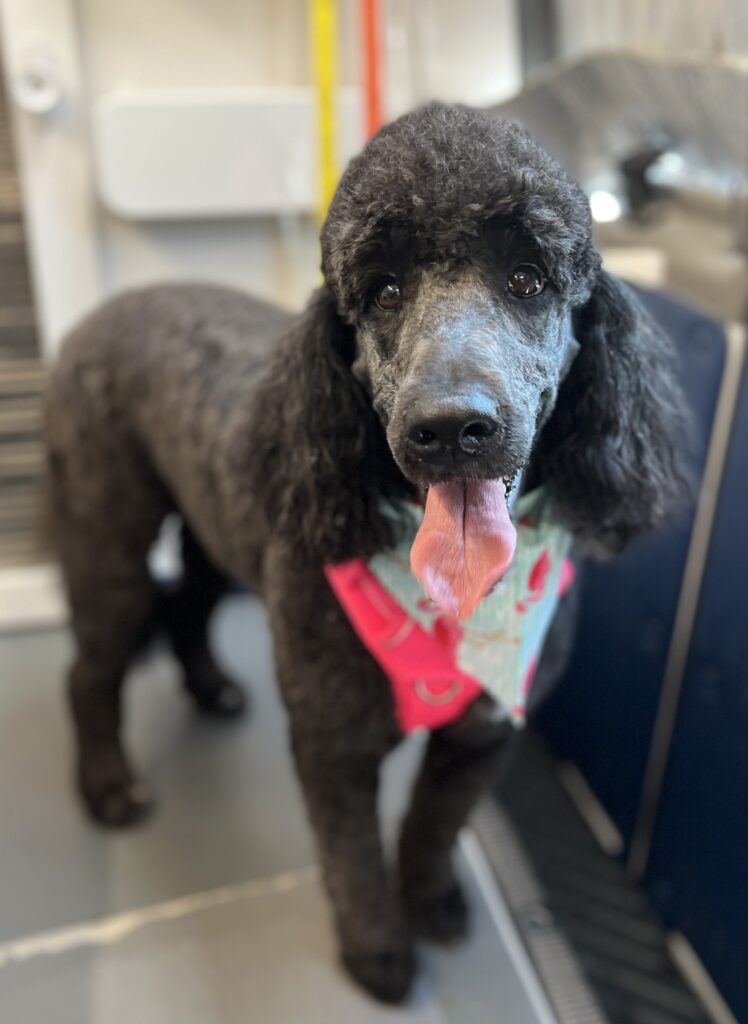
(461, 763)
(340, 792)
(342, 725)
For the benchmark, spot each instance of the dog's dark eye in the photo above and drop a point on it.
(525, 281)
(388, 296)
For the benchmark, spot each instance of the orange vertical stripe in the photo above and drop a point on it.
(372, 58)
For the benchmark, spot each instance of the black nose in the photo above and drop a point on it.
(451, 431)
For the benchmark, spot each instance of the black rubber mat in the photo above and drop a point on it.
(598, 948)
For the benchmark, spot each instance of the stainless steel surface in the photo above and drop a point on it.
(594, 111)
(597, 110)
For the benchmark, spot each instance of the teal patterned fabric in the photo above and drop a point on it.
(500, 644)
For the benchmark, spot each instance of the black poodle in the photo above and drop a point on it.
(464, 334)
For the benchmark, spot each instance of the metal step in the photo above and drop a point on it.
(21, 460)
(18, 344)
(600, 951)
(18, 551)
(20, 415)
(21, 377)
(10, 193)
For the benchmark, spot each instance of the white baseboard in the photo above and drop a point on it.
(31, 598)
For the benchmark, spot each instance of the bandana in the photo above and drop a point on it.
(437, 665)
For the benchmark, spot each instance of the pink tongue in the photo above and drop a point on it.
(465, 544)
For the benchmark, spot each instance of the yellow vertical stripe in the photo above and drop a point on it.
(324, 41)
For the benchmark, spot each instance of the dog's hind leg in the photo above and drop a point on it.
(185, 613)
(460, 764)
(112, 602)
(105, 507)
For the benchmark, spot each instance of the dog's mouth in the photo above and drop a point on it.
(465, 543)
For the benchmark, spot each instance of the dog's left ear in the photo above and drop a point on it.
(614, 451)
(328, 464)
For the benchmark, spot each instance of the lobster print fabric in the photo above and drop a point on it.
(438, 666)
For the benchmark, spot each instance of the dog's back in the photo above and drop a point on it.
(147, 404)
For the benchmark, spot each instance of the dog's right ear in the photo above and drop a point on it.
(615, 449)
(330, 463)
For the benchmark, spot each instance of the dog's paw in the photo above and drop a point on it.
(213, 692)
(226, 701)
(118, 805)
(442, 918)
(387, 974)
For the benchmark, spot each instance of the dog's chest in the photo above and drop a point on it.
(438, 666)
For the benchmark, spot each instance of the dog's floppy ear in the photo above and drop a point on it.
(330, 443)
(614, 450)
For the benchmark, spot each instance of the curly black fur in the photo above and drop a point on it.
(443, 172)
(615, 449)
(278, 454)
(331, 487)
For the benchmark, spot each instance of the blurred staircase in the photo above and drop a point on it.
(22, 373)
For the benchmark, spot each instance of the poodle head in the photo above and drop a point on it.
(478, 333)
(456, 249)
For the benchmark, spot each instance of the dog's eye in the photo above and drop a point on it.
(525, 281)
(388, 296)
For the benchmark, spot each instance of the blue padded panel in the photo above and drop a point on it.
(698, 870)
(602, 712)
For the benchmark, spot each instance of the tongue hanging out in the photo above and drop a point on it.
(465, 544)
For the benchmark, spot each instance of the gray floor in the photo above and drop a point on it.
(212, 912)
